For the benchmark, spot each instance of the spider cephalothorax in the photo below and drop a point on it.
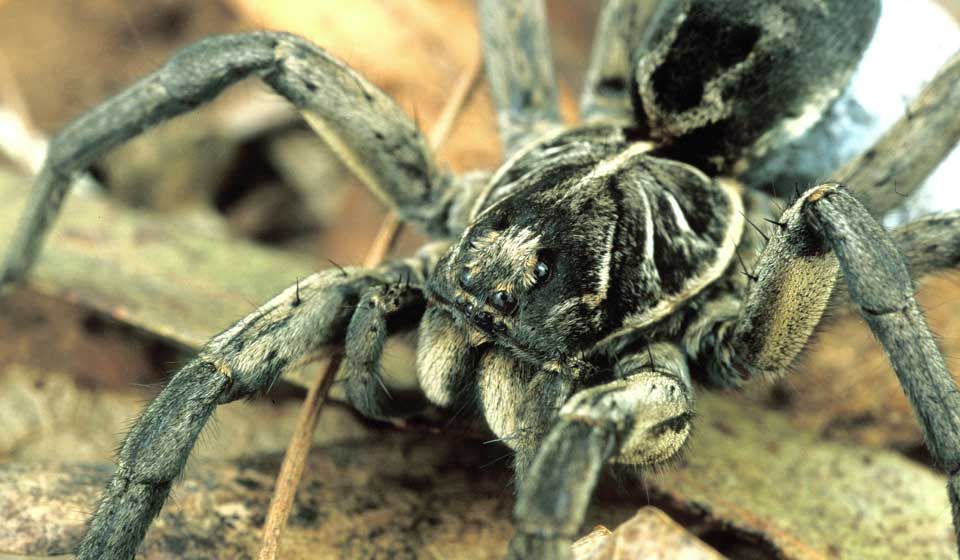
(582, 234)
(576, 293)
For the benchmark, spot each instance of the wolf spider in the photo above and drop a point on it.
(575, 294)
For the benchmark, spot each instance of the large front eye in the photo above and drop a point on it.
(504, 302)
(466, 278)
(541, 271)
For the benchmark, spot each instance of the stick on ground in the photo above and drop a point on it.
(294, 460)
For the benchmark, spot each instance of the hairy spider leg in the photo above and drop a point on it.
(828, 230)
(242, 361)
(519, 69)
(366, 335)
(642, 417)
(609, 86)
(373, 136)
(525, 97)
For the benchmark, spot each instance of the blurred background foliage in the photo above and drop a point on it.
(205, 217)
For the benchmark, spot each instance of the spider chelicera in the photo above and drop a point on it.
(577, 293)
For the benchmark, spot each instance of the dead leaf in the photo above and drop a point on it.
(399, 496)
(650, 534)
(844, 387)
(46, 417)
(750, 474)
(751, 478)
(585, 546)
(437, 39)
(177, 278)
(752, 471)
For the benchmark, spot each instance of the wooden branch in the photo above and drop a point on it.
(897, 164)
(295, 458)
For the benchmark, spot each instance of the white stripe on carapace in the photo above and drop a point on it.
(648, 226)
(604, 169)
(605, 263)
(678, 216)
(615, 163)
(494, 181)
(735, 221)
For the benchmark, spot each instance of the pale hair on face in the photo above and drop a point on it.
(514, 249)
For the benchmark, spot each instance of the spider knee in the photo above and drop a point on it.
(218, 60)
(247, 375)
(649, 413)
(366, 335)
(873, 266)
(820, 191)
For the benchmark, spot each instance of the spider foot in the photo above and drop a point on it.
(528, 546)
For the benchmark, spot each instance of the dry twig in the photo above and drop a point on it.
(294, 460)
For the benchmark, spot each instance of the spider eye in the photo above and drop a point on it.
(541, 271)
(465, 277)
(504, 302)
(500, 223)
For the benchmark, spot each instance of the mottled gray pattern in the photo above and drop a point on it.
(607, 95)
(519, 69)
(373, 136)
(575, 294)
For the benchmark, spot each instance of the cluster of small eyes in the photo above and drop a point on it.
(503, 301)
